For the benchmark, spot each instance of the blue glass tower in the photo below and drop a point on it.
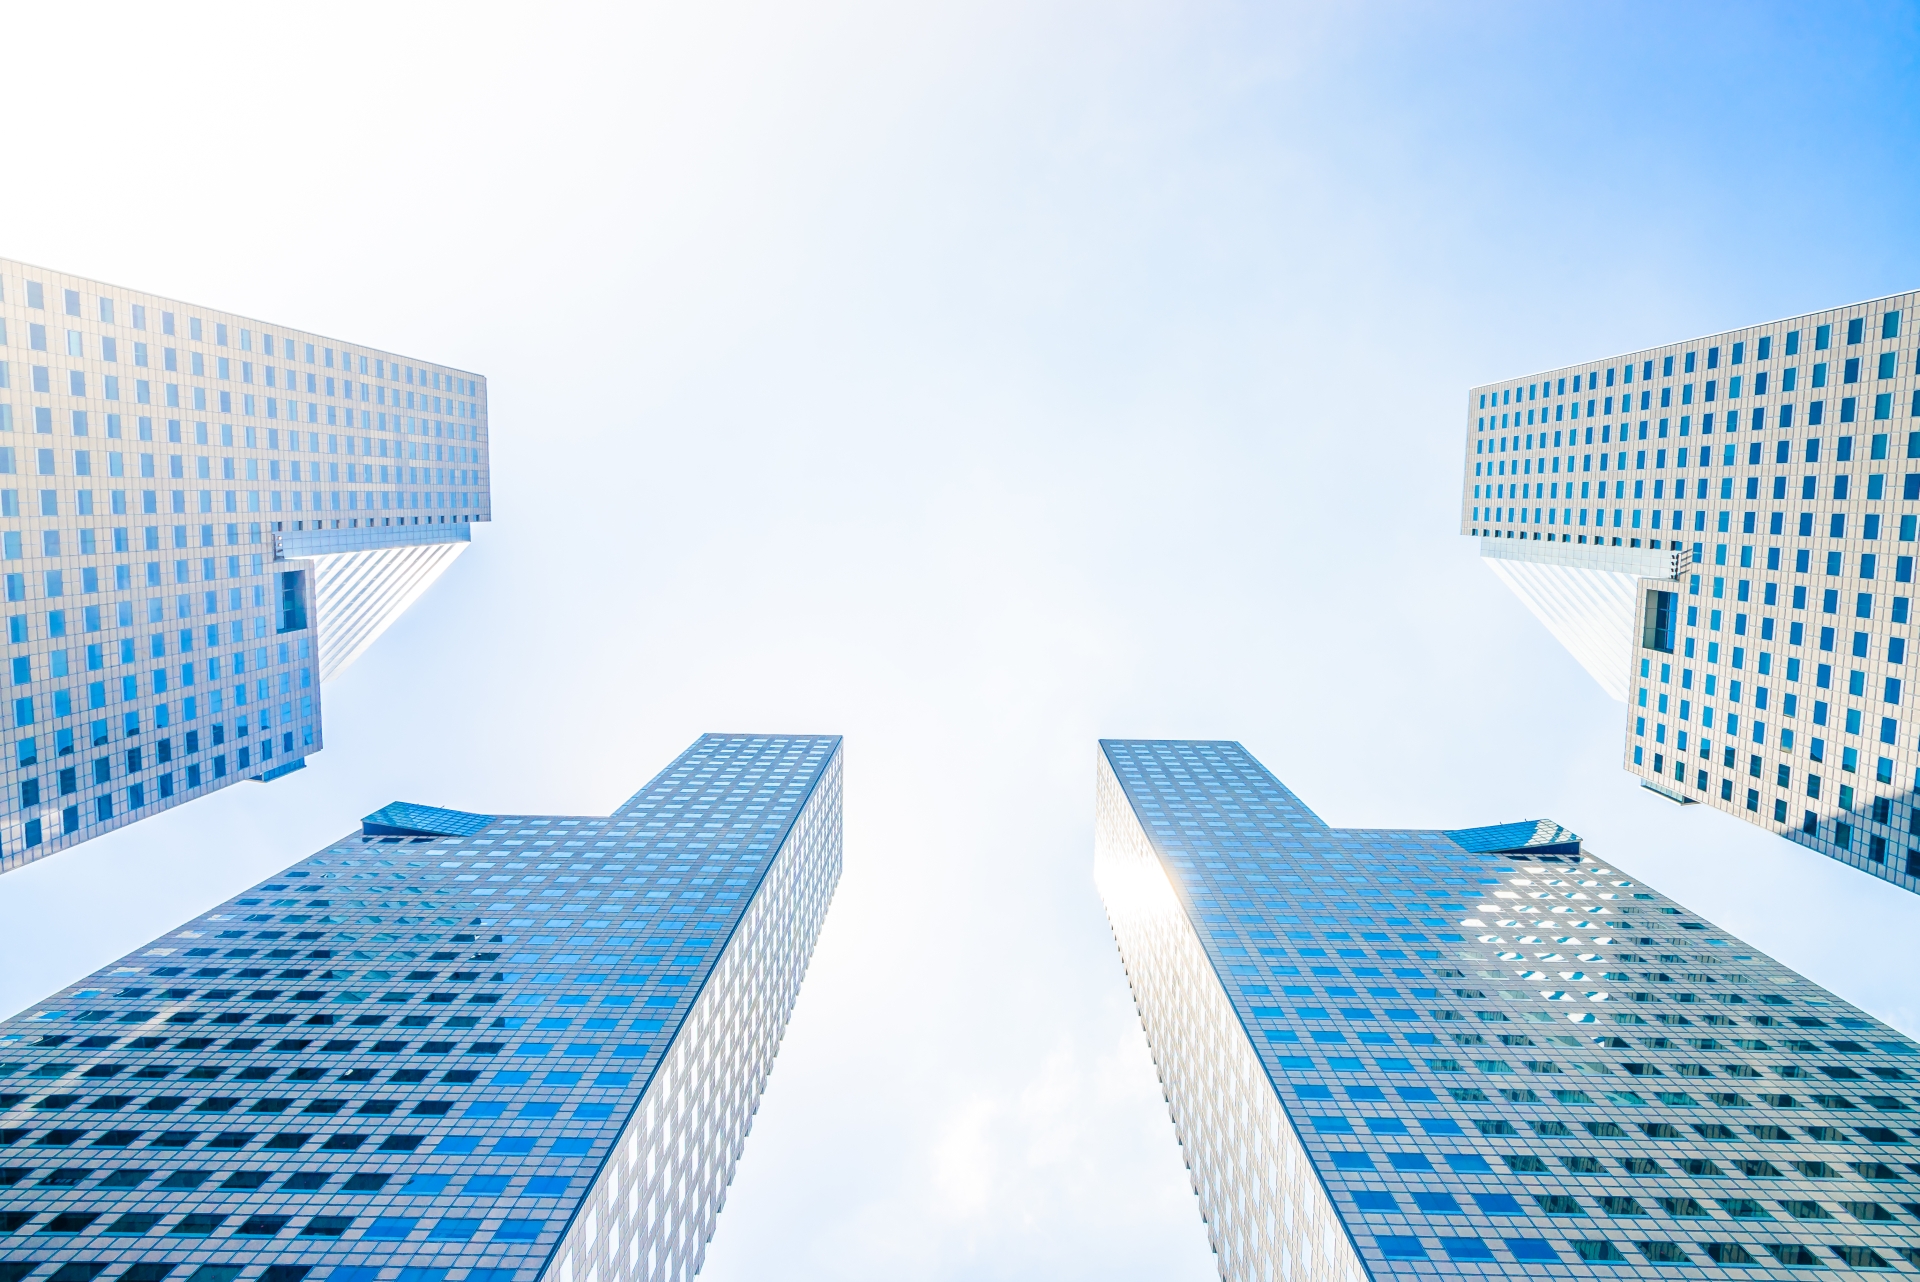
(449, 1047)
(1483, 1052)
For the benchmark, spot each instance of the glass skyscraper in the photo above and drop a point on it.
(202, 518)
(449, 1047)
(1483, 1052)
(1723, 532)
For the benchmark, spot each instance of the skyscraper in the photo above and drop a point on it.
(1486, 1049)
(449, 1047)
(1723, 532)
(202, 518)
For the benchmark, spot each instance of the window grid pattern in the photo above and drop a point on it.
(1266, 1212)
(1778, 467)
(653, 1207)
(153, 456)
(1498, 1052)
(410, 1052)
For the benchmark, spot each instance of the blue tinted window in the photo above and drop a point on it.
(1401, 1248)
(519, 1230)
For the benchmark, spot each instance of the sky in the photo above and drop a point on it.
(974, 381)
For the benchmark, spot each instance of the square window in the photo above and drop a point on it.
(519, 1231)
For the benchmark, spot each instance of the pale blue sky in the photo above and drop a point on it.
(973, 381)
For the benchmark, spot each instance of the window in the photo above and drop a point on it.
(1659, 621)
(529, 1231)
(293, 601)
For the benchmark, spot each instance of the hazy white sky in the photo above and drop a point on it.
(973, 381)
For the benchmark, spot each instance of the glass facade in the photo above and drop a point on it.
(1482, 1052)
(1723, 531)
(449, 1047)
(201, 517)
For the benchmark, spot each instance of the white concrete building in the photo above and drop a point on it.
(1723, 532)
(202, 518)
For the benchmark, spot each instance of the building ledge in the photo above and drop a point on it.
(1532, 836)
(1676, 797)
(1644, 563)
(406, 819)
(298, 763)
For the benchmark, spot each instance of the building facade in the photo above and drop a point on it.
(202, 517)
(1723, 532)
(450, 1047)
(1485, 1052)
